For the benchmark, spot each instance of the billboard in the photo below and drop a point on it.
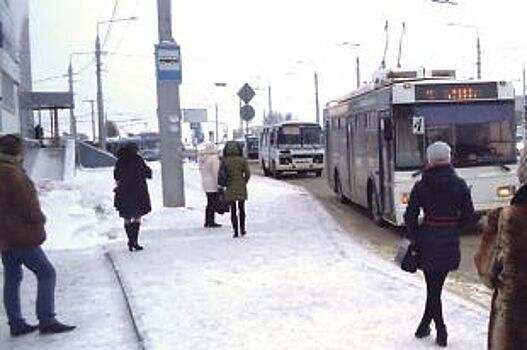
(195, 115)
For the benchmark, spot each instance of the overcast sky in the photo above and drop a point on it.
(276, 42)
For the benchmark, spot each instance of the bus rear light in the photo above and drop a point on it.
(505, 191)
(405, 197)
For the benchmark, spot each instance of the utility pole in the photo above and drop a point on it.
(73, 122)
(168, 68)
(478, 63)
(92, 103)
(317, 105)
(100, 102)
(524, 131)
(358, 71)
(217, 138)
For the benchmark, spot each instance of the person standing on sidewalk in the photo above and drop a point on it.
(501, 262)
(238, 177)
(447, 205)
(21, 235)
(132, 199)
(209, 164)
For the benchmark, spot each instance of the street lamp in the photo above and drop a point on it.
(100, 106)
(216, 110)
(478, 45)
(357, 61)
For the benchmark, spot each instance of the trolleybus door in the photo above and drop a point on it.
(386, 164)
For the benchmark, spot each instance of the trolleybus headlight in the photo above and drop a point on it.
(405, 197)
(505, 191)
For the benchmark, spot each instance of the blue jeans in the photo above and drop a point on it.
(35, 260)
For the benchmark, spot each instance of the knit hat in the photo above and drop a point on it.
(11, 144)
(438, 153)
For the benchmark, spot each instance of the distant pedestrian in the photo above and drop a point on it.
(132, 199)
(238, 177)
(39, 133)
(21, 235)
(447, 205)
(209, 163)
(501, 262)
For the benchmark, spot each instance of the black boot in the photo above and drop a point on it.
(423, 330)
(128, 229)
(242, 224)
(135, 231)
(234, 219)
(209, 217)
(441, 337)
(22, 329)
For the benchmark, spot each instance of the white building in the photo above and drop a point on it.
(15, 68)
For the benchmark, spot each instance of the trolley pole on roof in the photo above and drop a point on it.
(168, 71)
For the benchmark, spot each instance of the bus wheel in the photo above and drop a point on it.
(274, 172)
(318, 173)
(374, 208)
(338, 189)
(265, 170)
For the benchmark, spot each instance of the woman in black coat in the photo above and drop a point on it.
(132, 200)
(447, 205)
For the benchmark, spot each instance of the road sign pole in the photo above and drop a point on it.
(168, 70)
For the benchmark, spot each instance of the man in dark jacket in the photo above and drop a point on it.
(21, 234)
(446, 202)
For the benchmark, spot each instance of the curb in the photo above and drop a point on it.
(122, 285)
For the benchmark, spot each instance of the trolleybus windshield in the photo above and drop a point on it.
(299, 135)
(479, 134)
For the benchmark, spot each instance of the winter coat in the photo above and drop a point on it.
(21, 219)
(501, 262)
(131, 194)
(239, 173)
(209, 163)
(447, 205)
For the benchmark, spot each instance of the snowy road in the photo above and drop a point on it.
(297, 281)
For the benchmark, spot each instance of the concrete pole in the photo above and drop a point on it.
(73, 123)
(478, 63)
(217, 138)
(317, 104)
(92, 105)
(100, 101)
(169, 116)
(524, 109)
(358, 72)
(270, 100)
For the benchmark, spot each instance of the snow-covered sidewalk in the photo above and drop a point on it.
(296, 281)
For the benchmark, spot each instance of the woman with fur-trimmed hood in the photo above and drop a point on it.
(501, 262)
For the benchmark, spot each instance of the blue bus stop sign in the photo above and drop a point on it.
(168, 62)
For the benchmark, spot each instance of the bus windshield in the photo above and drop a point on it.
(303, 135)
(479, 134)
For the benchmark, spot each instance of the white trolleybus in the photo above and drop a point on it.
(377, 136)
(291, 147)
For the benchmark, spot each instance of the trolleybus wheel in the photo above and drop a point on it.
(374, 208)
(265, 170)
(338, 189)
(274, 172)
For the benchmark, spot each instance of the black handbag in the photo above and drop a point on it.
(221, 206)
(407, 257)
